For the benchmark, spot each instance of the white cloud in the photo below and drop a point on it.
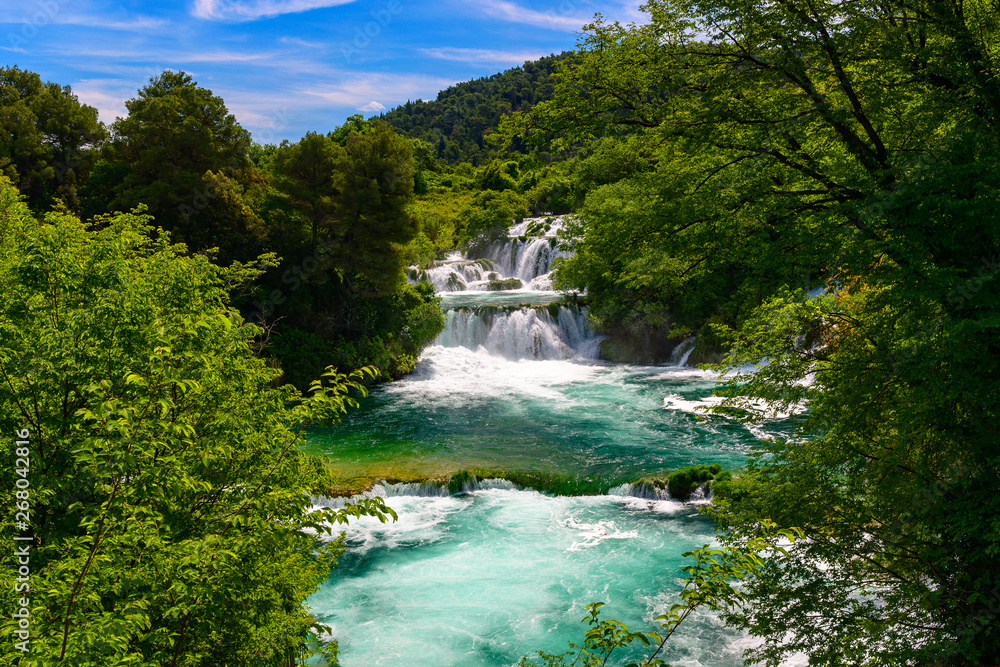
(251, 10)
(220, 57)
(301, 42)
(372, 107)
(554, 20)
(137, 23)
(106, 95)
(358, 89)
(482, 55)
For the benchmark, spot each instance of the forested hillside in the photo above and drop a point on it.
(457, 122)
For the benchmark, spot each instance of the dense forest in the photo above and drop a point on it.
(812, 190)
(329, 214)
(459, 121)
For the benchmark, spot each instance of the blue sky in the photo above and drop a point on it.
(285, 67)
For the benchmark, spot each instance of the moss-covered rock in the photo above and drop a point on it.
(458, 481)
(504, 285)
(682, 483)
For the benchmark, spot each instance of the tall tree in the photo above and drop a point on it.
(341, 208)
(309, 173)
(46, 138)
(371, 206)
(175, 133)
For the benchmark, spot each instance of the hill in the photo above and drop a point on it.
(457, 122)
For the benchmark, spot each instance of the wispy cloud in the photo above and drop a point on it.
(251, 10)
(137, 23)
(295, 41)
(479, 56)
(513, 13)
(106, 95)
(358, 90)
(220, 57)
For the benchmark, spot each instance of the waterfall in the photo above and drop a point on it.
(526, 259)
(522, 333)
(647, 491)
(474, 485)
(384, 489)
(426, 489)
(459, 274)
(683, 350)
(521, 261)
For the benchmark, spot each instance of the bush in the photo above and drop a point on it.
(682, 483)
(170, 499)
(458, 480)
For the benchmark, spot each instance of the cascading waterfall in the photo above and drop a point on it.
(521, 333)
(683, 351)
(522, 262)
(647, 491)
(426, 489)
(528, 260)
(518, 267)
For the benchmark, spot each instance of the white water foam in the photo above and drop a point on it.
(702, 406)
(525, 333)
(462, 378)
(593, 534)
(504, 572)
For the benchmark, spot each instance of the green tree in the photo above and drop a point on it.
(175, 132)
(853, 146)
(372, 217)
(46, 138)
(340, 218)
(309, 174)
(169, 500)
(490, 213)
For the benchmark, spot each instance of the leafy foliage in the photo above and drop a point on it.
(47, 138)
(170, 502)
(847, 147)
(457, 123)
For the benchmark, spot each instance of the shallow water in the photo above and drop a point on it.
(464, 409)
(488, 577)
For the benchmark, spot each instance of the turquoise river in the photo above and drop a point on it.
(499, 572)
